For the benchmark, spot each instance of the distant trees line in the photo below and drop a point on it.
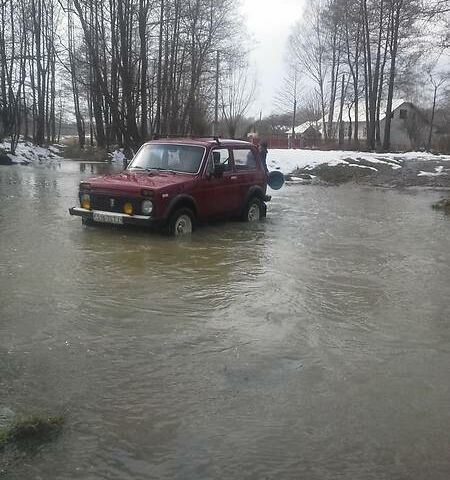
(126, 68)
(357, 54)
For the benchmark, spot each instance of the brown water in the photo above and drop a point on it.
(314, 345)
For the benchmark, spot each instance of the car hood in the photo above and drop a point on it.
(132, 182)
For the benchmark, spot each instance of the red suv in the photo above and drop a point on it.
(172, 184)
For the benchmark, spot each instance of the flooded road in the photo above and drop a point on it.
(314, 345)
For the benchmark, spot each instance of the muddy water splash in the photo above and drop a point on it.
(313, 345)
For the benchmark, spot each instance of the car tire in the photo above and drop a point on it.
(254, 211)
(180, 223)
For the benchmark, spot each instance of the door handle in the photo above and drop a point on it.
(233, 177)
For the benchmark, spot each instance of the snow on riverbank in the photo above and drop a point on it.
(289, 160)
(437, 172)
(27, 153)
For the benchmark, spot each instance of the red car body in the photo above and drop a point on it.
(224, 178)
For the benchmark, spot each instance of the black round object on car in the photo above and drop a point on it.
(275, 180)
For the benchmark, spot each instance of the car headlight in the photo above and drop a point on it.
(147, 207)
(85, 201)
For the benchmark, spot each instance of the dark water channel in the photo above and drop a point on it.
(315, 345)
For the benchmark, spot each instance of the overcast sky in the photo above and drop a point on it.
(269, 23)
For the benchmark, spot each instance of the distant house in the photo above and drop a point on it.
(409, 128)
(309, 134)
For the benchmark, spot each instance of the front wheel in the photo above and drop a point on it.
(181, 223)
(254, 210)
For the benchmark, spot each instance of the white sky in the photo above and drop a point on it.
(269, 23)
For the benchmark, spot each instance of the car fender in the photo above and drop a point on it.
(178, 201)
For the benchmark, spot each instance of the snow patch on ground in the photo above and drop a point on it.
(392, 162)
(289, 160)
(437, 172)
(291, 179)
(27, 153)
(365, 166)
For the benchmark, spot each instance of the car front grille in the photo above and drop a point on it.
(111, 203)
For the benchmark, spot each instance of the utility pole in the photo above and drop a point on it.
(216, 105)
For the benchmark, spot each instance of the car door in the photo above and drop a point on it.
(247, 171)
(218, 195)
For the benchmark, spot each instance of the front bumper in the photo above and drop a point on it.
(111, 217)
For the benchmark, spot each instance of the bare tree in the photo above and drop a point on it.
(436, 83)
(73, 67)
(371, 35)
(289, 96)
(308, 48)
(403, 14)
(237, 94)
(353, 43)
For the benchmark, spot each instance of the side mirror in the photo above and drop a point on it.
(219, 168)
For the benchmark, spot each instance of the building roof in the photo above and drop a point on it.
(348, 113)
(304, 126)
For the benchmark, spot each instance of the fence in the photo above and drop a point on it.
(277, 141)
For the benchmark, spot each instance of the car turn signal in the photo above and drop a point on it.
(128, 208)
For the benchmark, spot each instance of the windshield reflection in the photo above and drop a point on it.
(170, 157)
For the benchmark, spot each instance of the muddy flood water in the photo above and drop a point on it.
(313, 345)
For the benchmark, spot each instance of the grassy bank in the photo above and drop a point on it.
(33, 428)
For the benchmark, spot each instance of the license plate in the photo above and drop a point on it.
(107, 218)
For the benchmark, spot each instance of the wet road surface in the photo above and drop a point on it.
(314, 345)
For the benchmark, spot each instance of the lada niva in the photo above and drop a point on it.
(172, 184)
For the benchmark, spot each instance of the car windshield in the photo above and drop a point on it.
(174, 158)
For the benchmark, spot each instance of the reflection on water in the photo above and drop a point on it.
(312, 345)
(96, 168)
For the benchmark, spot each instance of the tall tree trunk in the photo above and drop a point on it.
(341, 109)
(373, 98)
(394, 48)
(430, 134)
(143, 14)
(159, 73)
(74, 81)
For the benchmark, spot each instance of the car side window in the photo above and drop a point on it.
(244, 159)
(218, 156)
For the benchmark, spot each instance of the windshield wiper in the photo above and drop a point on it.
(137, 167)
(159, 169)
(149, 169)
